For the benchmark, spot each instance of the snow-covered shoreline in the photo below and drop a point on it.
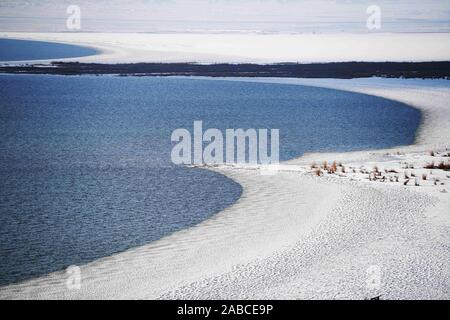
(297, 235)
(251, 48)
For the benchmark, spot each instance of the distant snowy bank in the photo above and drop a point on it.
(254, 48)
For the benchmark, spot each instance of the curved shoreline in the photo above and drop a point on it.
(428, 209)
(97, 52)
(237, 251)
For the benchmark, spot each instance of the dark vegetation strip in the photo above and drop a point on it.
(342, 70)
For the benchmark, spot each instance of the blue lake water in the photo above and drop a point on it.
(21, 50)
(85, 161)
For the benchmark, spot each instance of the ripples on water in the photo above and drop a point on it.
(85, 161)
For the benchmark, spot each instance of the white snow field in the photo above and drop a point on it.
(255, 48)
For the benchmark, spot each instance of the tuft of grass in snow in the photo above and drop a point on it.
(442, 166)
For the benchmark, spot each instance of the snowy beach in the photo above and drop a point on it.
(296, 234)
(251, 48)
(322, 224)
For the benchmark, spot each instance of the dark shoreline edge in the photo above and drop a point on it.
(339, 70)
